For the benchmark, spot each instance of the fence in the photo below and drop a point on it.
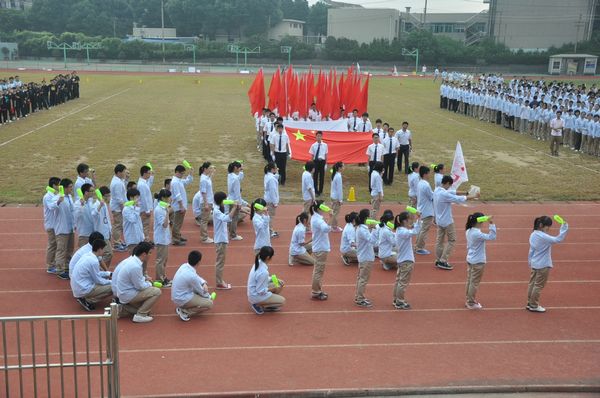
(61, 355)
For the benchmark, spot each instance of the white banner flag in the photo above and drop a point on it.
(459, 168)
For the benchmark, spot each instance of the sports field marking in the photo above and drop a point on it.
(63, 117)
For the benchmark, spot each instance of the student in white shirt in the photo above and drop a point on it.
(308, 186)
(280, 150)
(267, 133)
(83, 250)
(132, 288)
(102, 224)
(63, 228)
(220, 221)
(413, 182)
(260, 221)
(271, 186)
(262, 293)
(406, 228)
(391, 145)
(376, 188)
(320, 246)
(84, 224)
(133, 231)
(50, 203)
(425, 208)
(556, 131)
(375, 152)
(89, 283)
(300, 249)
(318, 152)
(540, 259)
(404, 137)
(337, 194)
(387, 241)
(438, 169)
(443, 198)
(366, 239)
(83, 177)
(476, 258)
(348, 240)
(190, 291)
(162, 235)
(179, 202)
(353, 121)
(204, 200)
(364, 124)
(313, 114)
(144, 185)
(118, 198)
(379, 129)
(235, 176)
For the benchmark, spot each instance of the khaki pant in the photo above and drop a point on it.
(403, 276)
(146, 224)
(474, 274)
(303, 259)
(351, 256)
(335, 211)
(99, 293)
(364, 273)
(318, 271)
(537, 281)
(220, 262)
(82, 241)
(390, 261)
(422, 236)
(64, 251)
(108, 253)
(178, 217)
(232, 226)
(196, 305)
(204, 218)
(555, 141)
(143, 302)
(275, 301)
(306, 205)
(117, 226)
(162, 255)
(443, 250)
(272, 210)
(517, 123)
(51, 249)
(375, 204)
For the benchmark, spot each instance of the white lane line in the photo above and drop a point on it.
(63, 117)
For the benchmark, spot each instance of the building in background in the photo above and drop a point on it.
(287, 27)
(363, 24)
(466, 27)
(16, 4)
(532, 25)
(572, 64)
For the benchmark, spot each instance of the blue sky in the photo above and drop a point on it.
(434, 6)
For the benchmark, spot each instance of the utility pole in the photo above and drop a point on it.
(162, 25)
(425, 14)
(579, 24)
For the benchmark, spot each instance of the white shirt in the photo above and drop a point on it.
(186, 283)
(442, 203)
(376, 184)
(337, 191)
(308, 186)
(82, 251)
(50, 202)
(118, 194)
(179, 193)
(197, 204)
(319, 147)
(83, 217)
(424, 199)
(146, 203)
(348, 241)
(206, 188)
(271, 185)
(128, 279)
(260, 222)
(413, 182)
(101, 218)
(234, 187)
(476, 244)
(162, 235)
(79, 183)
(280, 142)
(298, 239)
(365, 241)
(404, 242)
(353, 123)
(65, 219)
(437, 179)
(540, 245)
(375, 156)
(390, 144)
(386, 242)
(87, 275)
(220, 221)
(403, 137)
(557, 126)
(258, 283)
(133, 230)
(364, 126)
(320, 230)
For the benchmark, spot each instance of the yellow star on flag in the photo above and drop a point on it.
(299, 136)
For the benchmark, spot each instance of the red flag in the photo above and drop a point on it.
(256, 93)
(341, 93)
(319, 92)
(294, 94)
(346, 147)
(274, 90)
(363, 98)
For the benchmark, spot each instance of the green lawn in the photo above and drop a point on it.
(164, 119)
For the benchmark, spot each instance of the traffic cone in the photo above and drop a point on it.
(351, 195)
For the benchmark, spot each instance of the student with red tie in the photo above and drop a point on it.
(319, 151)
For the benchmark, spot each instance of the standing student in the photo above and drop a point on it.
(235, 176)
(406, 228)
(337, 194)
(413, 183)
(89, 283)
(271, 185)
(84, 223)
(117, 201)
(260, 221)
(438, 169)
(204, 200)
(64, 227)
(353, 121)
(132, 288)
(540, 259)
(162, 235)
(476, 256)
(83, 177)
(144, 185)
(263, 295)
(374, 154)
(190, 291)
(425, 208)
(443, 198)
(376, 188)
(179, 202)
(404, 137)
(300, 249)
(387, 241)
(101, 216)
(280, 149)
(318, 151)
(220, 221)
(308, 186)
(556, 132)
(366, 239)
(268, 132)
(379, 129)
(364, 124)
(348, 240)
(391, 145)
(50, 203)
(133, 230)
(321, 248)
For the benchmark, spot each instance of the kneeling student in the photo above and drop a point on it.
(88, 283)
(189, 291)
(300, 249)
(263, 293)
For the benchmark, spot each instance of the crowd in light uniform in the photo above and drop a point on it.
(530, 107)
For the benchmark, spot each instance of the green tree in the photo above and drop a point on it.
(295, 9)
(12, 20)
(317, 19)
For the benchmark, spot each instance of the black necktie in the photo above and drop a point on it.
(391, 145)
(280, 137)
(318, 150)
(375, 154)
(364, 126)
(354, 126)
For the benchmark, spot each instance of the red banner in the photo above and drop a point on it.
(346, 147)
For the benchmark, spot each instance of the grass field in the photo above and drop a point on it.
(164, 119)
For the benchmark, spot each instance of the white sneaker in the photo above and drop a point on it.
(539, 308)
(137, 318)
(238, 237)
(182, 315)
(475, 306)
(208, 240)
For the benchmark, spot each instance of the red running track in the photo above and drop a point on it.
(332, 346)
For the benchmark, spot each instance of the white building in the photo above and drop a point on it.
(287, 27)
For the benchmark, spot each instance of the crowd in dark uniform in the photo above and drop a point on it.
(19, 99)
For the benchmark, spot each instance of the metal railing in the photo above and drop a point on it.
(61, 355)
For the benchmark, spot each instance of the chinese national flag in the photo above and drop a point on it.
(349, 148)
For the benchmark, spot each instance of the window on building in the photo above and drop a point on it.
(408, 26)
(556, 65)
(459, 28)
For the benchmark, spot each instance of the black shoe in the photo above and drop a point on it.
(86, 304)
(443, 265)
